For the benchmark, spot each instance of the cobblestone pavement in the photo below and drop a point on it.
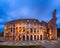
(45, 43)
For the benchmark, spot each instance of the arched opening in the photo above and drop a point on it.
(34, 37)
(27, 37)
(40, 37)
(37, 37)
(23, 38)
(31, 38)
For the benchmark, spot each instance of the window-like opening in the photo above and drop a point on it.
(31, 30)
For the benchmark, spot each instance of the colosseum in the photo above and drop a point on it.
(30, 29)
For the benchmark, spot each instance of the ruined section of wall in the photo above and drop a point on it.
(52, 26)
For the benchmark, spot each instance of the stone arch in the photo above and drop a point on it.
(27, 37)
(34, 37)
(23, 37)
(31, 37)
(40, 37)
(37, 37)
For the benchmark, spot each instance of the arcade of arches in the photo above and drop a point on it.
(31, 37)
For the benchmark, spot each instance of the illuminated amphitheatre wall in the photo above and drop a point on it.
(30, 29)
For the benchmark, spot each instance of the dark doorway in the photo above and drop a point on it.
(40, 37)
(34, 37)
(27, 38)
(37, 37)
(31, 38)
(23, 38)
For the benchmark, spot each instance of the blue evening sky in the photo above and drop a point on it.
(20, 9)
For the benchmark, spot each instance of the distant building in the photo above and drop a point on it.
(31, 29)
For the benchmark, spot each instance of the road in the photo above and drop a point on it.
(45, 43)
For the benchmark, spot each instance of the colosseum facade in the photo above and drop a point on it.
(30, 29)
